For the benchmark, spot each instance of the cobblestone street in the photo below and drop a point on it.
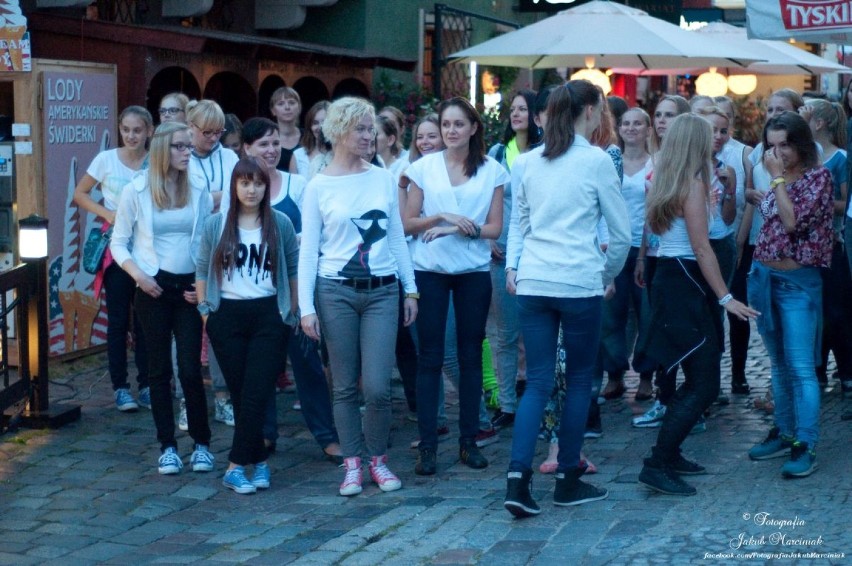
(90, 493)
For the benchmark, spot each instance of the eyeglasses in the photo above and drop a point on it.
(181, 147)
(361, 130)
(210, 133)
(172, 111)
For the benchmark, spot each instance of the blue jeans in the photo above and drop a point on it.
(312, 389)
(791, 339)
(581, 331)
(471, 294)
(508, 336)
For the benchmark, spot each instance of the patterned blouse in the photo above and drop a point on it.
(810, 243)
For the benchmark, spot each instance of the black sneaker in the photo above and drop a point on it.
(685, 467)
(470, 455)
(571, 491)
(594, 429)
(664, 479)
(519, 501)
(426, 462)
(502, 420)
(740, 388)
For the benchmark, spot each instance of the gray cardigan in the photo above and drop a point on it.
(285, 270)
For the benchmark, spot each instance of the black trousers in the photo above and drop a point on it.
(250, 342)
(168, 315)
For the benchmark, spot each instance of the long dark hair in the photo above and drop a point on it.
(533, 132)
(223, 256)
(476, 145)
(564, 106)
(798, 135)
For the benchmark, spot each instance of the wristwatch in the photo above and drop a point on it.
(204, 308)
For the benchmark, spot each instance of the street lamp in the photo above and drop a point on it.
(32, 237)
(32, 249)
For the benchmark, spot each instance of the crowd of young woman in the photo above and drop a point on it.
(292, 243)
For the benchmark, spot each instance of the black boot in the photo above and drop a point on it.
(519, 501)
(571, 491)
(660, 476)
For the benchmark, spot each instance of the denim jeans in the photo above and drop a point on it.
(505, 308)
(791, 338)
(168, 315)
(837, 315)
(614, 348)
(249, 336)
(312, 389)
(119, 288)
(581, 329)
(359, 326)
(471, 294)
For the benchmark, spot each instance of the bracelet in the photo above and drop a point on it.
(726, 299)
(476, 234)
(777, 181)
(412, 296)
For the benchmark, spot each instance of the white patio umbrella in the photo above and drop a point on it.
(613, 35)
(781, 58)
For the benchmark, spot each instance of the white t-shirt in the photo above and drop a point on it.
(456, 253)
(173, 238)
(112, 175)
(252, 274)
(351, 228)
(633, 191)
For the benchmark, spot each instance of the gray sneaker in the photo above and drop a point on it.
(224, 411)
(652, 418)
(183, 424)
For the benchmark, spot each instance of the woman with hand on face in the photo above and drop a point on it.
(796, 239)
(389, 146)
(353, 251)
(455, 201)
(111, 171)
(286, 193)
(688, 290)
(156, 238)
(246, 284)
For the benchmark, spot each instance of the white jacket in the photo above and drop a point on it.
(133, 234)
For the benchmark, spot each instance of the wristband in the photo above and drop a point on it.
(726, 299)
(776, 181)
(412, 296)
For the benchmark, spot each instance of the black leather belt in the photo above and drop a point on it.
(367, 283)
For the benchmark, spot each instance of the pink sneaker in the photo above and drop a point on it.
(352, 482)
(382, 476)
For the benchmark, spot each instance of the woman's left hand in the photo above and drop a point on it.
(409, 307)
(438, 232)
(190, 296)
(739, 310)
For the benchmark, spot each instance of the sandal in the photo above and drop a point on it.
(336, 459)
(645, 391)
(614, 389)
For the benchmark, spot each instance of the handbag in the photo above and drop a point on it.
(94, 249)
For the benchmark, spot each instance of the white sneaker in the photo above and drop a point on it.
(183, 424)
(652, 418)
(224, 411)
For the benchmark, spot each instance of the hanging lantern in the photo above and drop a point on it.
(742, 84)
(711, 83)
(594, 76)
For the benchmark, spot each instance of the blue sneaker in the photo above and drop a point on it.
(774, 446)
(124, 401)
(145, 397)
(802, 461)
(235, 480)
(169, 462)
(202, 459)
(261, 477)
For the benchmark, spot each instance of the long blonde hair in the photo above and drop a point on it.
(160, 160)
(686, 154)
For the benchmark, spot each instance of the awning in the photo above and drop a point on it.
(814, 21)
(207, 41)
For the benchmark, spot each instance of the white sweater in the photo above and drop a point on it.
(559, 204)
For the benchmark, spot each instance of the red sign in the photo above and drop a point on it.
(805, 15)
